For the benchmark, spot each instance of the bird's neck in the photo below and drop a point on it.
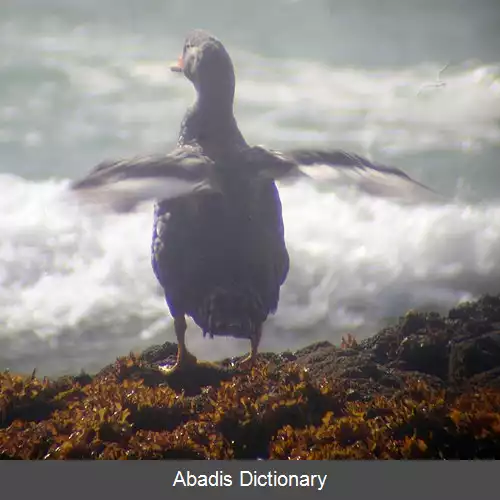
(211, 123)
(217, 104)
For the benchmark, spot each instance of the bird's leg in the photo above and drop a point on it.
(184, 358)
(254, 341)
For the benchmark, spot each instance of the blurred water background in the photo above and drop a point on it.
(81, 81)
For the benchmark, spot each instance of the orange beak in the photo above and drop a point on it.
(178, 67)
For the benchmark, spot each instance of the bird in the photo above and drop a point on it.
(218, 246)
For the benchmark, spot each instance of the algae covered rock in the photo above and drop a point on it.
(475, 356)
(425, 388)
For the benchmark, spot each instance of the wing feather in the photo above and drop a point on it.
(122, 184)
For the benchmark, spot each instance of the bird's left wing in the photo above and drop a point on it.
(337, 167)
(122, 184)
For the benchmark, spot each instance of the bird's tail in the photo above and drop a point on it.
(231, 312)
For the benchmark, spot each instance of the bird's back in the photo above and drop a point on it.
(222, 258)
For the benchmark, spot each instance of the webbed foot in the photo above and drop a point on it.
(248, 362)
(185, 361)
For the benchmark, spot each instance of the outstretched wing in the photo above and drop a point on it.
(122, 184)
(266, 163)
(325, 168)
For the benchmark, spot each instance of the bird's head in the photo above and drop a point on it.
(205, 62)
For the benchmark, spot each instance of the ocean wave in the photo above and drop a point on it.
(79, 280)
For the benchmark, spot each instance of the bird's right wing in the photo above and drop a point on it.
(122, 184)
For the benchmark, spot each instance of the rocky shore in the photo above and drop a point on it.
(426, 388)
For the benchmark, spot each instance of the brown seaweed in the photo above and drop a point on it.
(374, 399)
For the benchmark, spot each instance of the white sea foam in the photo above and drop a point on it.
(80, 280)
